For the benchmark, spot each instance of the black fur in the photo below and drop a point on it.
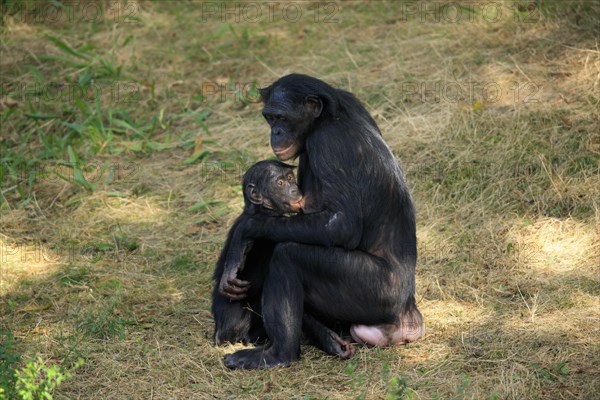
(351, 258)
(240, 321)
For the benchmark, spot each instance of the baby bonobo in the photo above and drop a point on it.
(269, 189)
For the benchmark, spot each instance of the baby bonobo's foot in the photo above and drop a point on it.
(231, 337)
(259, 357)
(232, 330)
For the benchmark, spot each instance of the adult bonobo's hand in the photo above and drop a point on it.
(324, 228)
(232, 287)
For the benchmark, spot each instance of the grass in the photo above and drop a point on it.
(124, 138)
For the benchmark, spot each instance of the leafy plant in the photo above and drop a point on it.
(36, 381)
(9, 358)
(396, 386)
(357, 381)
(461, 387)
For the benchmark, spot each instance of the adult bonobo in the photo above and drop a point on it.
(350, 259)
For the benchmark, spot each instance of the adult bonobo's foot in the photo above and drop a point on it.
(260, 357)
(337, 346)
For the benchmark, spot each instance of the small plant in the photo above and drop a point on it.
(461, 387)
(357, 381)
(9, 358)
(396, 386)
(36, 381)
(181, 263)
(103, 322)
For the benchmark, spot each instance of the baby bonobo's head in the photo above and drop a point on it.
(270, 186)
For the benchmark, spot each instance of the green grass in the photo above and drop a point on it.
(124, 139)
(103, 321)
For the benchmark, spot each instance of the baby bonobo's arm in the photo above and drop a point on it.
(230, 286)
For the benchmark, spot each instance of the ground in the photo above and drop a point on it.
(126, 126)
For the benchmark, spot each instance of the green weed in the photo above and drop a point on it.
(36, 381)
(103, 320)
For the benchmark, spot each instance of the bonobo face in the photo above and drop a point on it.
(276, 189)
(291, 121)
(283, 191)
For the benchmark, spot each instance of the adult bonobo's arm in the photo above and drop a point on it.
(325, 228)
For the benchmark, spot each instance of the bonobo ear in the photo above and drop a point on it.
(314, 105)
(253, 195)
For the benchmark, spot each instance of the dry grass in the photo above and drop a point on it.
(506, 189)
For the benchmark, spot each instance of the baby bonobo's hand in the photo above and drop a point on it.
(232, 287)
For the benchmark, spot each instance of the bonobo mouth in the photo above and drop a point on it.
(286, 153)
(297, 205)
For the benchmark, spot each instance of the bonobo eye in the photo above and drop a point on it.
(280, 182)
(290, 178)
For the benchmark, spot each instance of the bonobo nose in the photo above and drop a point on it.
(277, 131)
